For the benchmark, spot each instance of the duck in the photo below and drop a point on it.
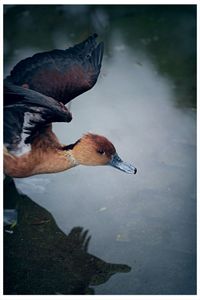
(36, 94)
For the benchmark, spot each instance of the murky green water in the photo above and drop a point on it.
(145, 103)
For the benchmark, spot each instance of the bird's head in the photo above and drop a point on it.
(94, 150)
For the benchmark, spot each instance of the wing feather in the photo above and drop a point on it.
(41, 110)
(61, 74)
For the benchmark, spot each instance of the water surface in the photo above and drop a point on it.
(144, 102)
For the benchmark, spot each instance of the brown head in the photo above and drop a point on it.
(94, 150)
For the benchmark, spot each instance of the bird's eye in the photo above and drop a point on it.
(102, 152)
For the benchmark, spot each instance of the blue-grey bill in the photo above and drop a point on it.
(118, 163)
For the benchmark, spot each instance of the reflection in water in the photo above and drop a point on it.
(144, 102)
(41, 259)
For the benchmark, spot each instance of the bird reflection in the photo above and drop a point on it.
(40, 259)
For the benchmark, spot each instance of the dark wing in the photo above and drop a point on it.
(61, 74)
(27, 112)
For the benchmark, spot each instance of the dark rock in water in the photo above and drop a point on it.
(40, 259)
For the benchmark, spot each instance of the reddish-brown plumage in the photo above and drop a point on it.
(60, 82)
(93, 149)
(47, 155)
(101, 143)
(34, 97)
(61, 74)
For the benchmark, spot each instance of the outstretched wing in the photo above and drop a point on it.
(61, 74)
(26, 112)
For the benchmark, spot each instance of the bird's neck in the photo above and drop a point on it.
(54, 162)
(47, 155)
(38, 162)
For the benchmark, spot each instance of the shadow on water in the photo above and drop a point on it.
(40, 259)
(145, 103)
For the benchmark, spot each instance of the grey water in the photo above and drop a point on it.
(145, 103)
